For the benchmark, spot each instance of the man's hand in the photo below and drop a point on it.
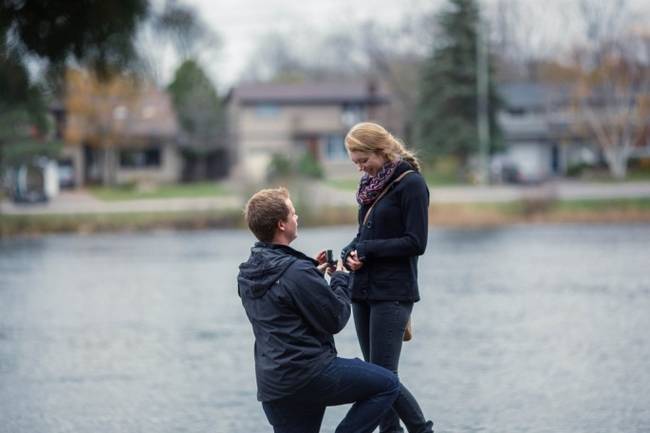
(321, 257)
(331, 268)
(353, 261)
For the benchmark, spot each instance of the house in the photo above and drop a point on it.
(545, 136)
(292, 119)
(539, 133)
(118, 132)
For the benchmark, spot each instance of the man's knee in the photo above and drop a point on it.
(391, 382)
(394, 385)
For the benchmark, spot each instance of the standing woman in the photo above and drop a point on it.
(384, 255)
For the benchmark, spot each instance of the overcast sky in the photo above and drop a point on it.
(242, 23)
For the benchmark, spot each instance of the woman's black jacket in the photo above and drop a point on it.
(391, 241)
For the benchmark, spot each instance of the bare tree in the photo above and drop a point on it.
(613, 98)
(275, 58)
(612, 83)
(603, 21)
(174, 33)
(395, 55)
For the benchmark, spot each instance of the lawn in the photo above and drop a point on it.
(433, 178)
(197, 189)
(603, 175)
(638, 175)
(600, 205)
(349, 184)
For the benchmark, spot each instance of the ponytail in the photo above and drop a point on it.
(404, 153)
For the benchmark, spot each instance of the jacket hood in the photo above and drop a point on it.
(266, 264)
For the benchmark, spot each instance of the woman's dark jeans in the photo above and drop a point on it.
(371, 388)
(380, 327)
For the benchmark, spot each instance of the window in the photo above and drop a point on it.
(140, 158)
(267, 110)
(352, 113)
(335, 148)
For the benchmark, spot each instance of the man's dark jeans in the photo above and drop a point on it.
(380, 327)
(371, 388)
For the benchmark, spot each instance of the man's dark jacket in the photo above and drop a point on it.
(294, 313)
(391, 241)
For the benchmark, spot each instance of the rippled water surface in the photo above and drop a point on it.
(520, 329)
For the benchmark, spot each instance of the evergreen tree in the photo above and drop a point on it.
(446, 119)
(94, 32)
(197, 105)
(202, 119)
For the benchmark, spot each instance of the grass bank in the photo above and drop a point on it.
(540, 211)
(14, 225)
(443, 215)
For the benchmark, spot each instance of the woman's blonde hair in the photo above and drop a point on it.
(370, 137)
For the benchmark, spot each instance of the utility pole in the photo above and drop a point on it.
(482, 102)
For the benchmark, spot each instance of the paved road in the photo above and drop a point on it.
(505, 193)
(81, 202)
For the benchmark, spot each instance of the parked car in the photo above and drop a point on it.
(34, 181)
(66, 173)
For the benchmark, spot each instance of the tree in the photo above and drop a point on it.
(275, 59)
(197, 105)
(611, 80)
(102, 37)
(398, 65)
(612, 98)
(174, 29)
(98, 35)
(199, 110)
(100, 113)
(93, 32)
(285, 58)
(23, 120)
(446, 119)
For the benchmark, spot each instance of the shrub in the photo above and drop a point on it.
(310, 167)
(280, 166)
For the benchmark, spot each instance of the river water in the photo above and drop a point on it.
(528, 329)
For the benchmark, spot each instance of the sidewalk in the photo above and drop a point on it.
(561, 190)
(81, 202)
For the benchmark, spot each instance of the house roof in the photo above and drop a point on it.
(359, 91)
(534, 96)
(535, 111)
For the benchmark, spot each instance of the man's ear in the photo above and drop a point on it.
(281, 225)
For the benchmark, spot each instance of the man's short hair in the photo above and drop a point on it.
(263, 211)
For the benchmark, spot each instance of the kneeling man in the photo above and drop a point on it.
(294, 313)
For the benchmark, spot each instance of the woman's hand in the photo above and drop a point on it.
(353, 261)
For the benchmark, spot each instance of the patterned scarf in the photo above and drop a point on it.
(371, 186)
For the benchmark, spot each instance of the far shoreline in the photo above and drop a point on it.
(454, 216)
